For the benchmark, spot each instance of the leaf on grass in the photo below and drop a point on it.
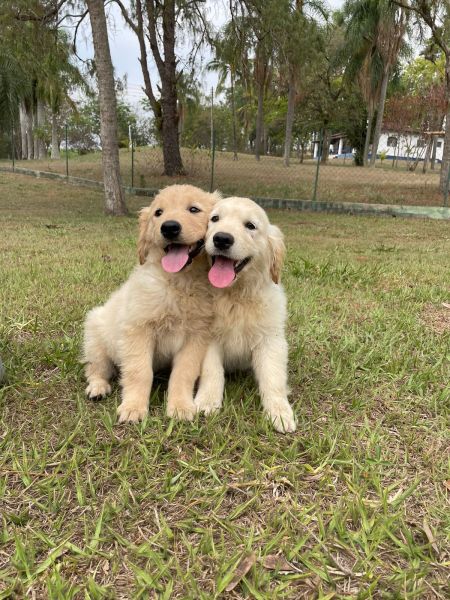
(447, 484)
(244, 566)
(430, 537)
(446, 304)
(277, 562)
(393, 497)
(315, 477)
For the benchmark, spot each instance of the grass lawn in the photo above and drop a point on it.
(339, 181)
(357, 500)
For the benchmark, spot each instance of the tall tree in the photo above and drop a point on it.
(228, 50)
(375, 31)
(363, 59)
(155, 24)
(435, 15)
(390, 37)
(296, 43)
(114, 196)
(14, 86)
(58, 76)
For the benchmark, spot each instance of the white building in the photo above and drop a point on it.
(408, 146)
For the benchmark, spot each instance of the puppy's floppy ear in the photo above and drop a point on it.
(277, 252)
(143, 245)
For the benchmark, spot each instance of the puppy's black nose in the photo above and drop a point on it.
(223, 241)
(170, 229)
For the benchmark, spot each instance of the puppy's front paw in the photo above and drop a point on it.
(131, 413)
(206, 404)
(282, 417)
(184, 410)
(96, 390)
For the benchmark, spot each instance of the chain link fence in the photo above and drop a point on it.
(395, 180)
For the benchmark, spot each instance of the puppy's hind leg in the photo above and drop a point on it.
(99, 366)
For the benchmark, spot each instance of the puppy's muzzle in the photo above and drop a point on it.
(171, 230)
(223, 241)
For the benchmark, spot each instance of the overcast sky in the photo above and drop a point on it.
(125, 49)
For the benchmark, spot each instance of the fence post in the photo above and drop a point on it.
(319, 156)
(13, 149)
(447, 183)
(132, 161)
(67, 153)
(213, 144)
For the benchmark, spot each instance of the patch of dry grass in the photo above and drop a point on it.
(338, 181)
(357, 500)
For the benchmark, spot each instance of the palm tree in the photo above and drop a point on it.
(297, 47)
(14, 87)
(228, 51)
(389, 39)
(375, 31)
(58, 75)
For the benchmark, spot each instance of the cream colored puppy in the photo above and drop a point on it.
(247, 253)
(162, 314)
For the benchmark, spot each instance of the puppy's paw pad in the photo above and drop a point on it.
(97, 390)
(131, 414)
(183, 412)
(283, 420)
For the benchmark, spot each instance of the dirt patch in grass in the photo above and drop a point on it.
(437, 317)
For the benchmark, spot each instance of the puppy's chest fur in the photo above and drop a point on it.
(239, 324)
(181, 303)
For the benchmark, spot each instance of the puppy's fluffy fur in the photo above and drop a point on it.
(156, 318)
(250, 314)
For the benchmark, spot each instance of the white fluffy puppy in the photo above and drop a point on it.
(162, 314)
(247, 253)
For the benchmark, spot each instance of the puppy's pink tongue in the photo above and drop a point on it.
(222, 274)
(175, 259)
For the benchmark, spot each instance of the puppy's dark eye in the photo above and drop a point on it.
(194, 209)
(250, 225)
(215, 218)
(158, 212)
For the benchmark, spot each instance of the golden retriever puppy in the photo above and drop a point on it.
(162, 314)
(247, 253)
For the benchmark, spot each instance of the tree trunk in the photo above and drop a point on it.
(325, 146)
(446, 151)
(380, 114)
(289, 119)
(40, 114)
(368, 134)
(30, 137)
(35, 134)
(433, 154)
(55, 140)
(173, 165)
(426, 160)
(259, 121)
(23, 131)
(114, 197)
(233, 116)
